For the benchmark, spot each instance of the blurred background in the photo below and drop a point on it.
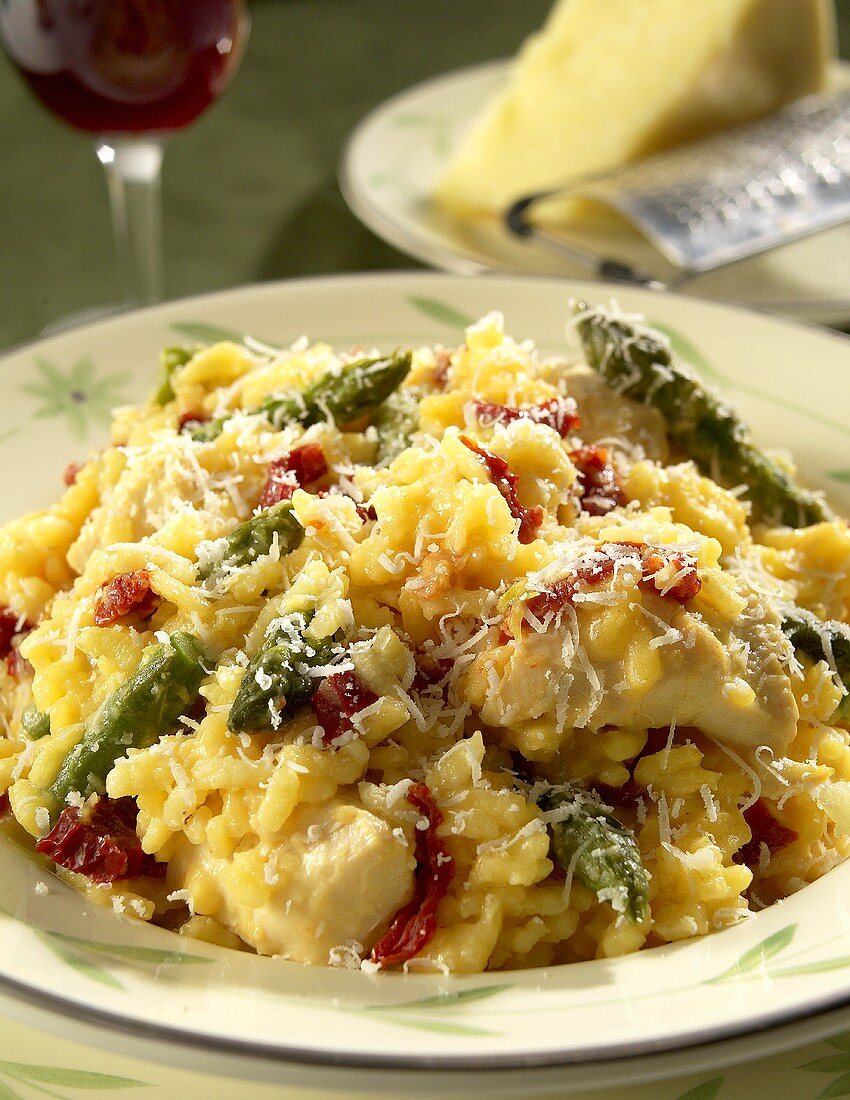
(250, 189)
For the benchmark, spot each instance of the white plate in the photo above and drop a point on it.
(397, 152)
(88, 973)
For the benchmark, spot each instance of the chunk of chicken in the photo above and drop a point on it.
(340, 875)
(606, 416)
(728, 680)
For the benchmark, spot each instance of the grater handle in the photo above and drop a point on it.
(601, 267)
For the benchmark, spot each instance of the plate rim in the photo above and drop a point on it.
(463, 1064)
(605, 289)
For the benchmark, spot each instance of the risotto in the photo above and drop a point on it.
(445, 659)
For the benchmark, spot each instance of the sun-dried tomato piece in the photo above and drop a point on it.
(560, 413)
(683, 583)
(280, 484)
(16, 665)
(628, 794)
(336, 701)
(554, 599)
(765, 829)
(414, 925)
(8, 629)
(71, 472)
(506, 482)
(598, 566)
(656, 741)
(189, 418)
(100, 843)
(12, 629)
(302, 466)
(126, 594)
(12, 626)
(563, 591)
(430, 671)
(442, 368)
(5, 804)
(598, 484)
(624, 797)
(592, 568)
(365, 511)
(307, 463)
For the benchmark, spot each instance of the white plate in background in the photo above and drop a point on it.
(397, 152)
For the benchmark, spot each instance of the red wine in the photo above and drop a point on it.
(125, 66)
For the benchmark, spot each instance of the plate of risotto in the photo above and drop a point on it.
(417, 673)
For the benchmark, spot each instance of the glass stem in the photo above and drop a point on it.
(133, 172)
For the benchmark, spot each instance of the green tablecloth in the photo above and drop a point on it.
(250, 190)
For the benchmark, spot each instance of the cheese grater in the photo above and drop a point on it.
(720, 199)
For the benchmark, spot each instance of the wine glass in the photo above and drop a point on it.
(129, 72)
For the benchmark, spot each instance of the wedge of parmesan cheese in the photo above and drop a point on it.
(608, 81)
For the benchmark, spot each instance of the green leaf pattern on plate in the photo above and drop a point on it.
(839, 1087)
(86, 967)
(203, 333)
(389, 1013)
(128, 951)
(753, 962)
(80, 394)
(37, 1077)
(686, 349)
(88, 956)
(446, 1027)
(437, 127)
(834, 1063)
(445, 1000)
(706, 1091)
(812, 968)
(440, 311)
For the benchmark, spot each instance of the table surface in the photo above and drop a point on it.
(250, 194)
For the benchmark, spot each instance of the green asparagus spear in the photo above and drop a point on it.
(35, 723)
(395, 422)
(640, 365)
(208, 430)
(170, 361)
(358, 388)
(254, 538)
(278, 674)
(602, 852)
(141, 711)
(822, 641)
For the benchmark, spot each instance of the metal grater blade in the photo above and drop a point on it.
(726, 197)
